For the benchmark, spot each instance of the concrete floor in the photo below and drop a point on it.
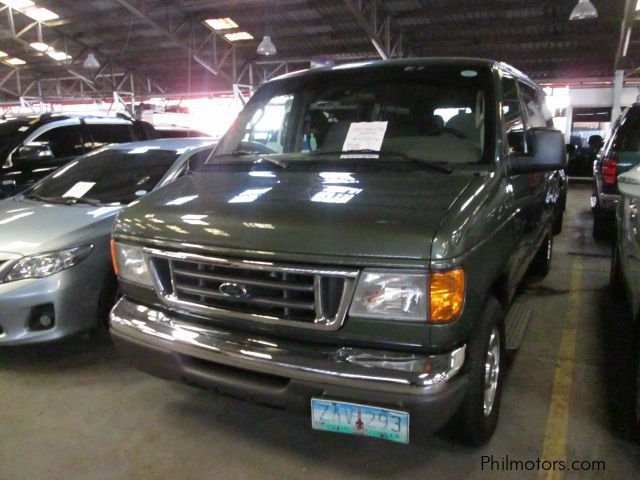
(74, 410)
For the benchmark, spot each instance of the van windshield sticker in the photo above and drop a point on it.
(79, 189)
(365, 136)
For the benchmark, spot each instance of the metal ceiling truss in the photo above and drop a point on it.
(208, 48)
(49, 77)
(377, 24)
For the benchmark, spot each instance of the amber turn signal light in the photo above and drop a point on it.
(114, 260)
(446, 293)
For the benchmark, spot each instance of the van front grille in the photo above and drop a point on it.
(262, 291)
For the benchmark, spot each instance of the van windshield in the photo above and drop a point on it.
(435, 113)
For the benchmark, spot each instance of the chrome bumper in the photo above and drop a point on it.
(353, 368)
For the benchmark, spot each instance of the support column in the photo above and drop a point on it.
(618, 81)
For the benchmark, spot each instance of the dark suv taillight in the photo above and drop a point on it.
(610, 170)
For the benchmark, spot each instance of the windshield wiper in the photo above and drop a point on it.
(65, 200)
(366, 152)
(87, 200)
(42, 198)
(242, 153)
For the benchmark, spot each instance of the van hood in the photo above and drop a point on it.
(378, 212)
(28, 227)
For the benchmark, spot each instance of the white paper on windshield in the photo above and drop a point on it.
(79, 189)
(364, 136)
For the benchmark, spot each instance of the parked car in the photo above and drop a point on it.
(625, 274)
(33, 147)
(365, 270)
(56, 277)
(621, 152)
(172, 131)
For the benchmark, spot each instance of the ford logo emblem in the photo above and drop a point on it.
(233, 290)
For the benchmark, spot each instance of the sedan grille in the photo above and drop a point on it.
(260, 291)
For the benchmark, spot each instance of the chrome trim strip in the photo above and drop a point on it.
(287, 359)
(249, 264)
(321, 322)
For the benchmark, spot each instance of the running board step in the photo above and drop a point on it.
(516, 325)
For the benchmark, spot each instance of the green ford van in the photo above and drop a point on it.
(363, 273)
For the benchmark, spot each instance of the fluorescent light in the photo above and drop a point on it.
(41, 47)
(40, 14)
(18, 4)
(3, 54)
(625, 49)
(59, 56)
(15, 61)
(234, 37)
(638, 6)
(221, 23)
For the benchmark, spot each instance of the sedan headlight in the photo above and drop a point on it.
(437, 297)
(129, 264)
(45, 264)
(391, 295)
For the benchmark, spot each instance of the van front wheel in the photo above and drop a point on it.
(477, 417)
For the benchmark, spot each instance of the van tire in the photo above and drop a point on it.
(541, 263)
(615, 273)
(600, 225)
(557, 221)
(472, 425)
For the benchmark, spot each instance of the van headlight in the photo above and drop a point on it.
(436, 297)
(392, 295)
(45, 264)
(129, 264)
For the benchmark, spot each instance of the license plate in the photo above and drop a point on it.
(358, 419)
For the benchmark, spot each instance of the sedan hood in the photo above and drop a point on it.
(28, 227)
(378, 212)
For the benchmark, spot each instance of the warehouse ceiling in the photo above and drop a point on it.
(155, 46)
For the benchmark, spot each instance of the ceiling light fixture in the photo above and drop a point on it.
(41, 47)
(266, 46)
(40, 14)
(59, 56)
(91, 62)
(221, 23)
(18, 4)
(583, 10)
(236, 36)
(15, 61)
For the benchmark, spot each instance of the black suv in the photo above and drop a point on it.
(620, 153)
(31, 147)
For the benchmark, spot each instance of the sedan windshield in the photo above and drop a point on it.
(108, 176)
(432, 113)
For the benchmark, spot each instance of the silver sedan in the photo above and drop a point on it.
(56, 277)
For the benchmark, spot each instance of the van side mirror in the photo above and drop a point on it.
(547, 151)
(33, 152)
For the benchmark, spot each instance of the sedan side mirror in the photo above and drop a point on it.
(547, 151)
(33, 152)
(629, 183)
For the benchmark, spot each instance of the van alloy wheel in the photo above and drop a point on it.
(491, 371)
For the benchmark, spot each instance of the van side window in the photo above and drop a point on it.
(513, 124)
(535, 107)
